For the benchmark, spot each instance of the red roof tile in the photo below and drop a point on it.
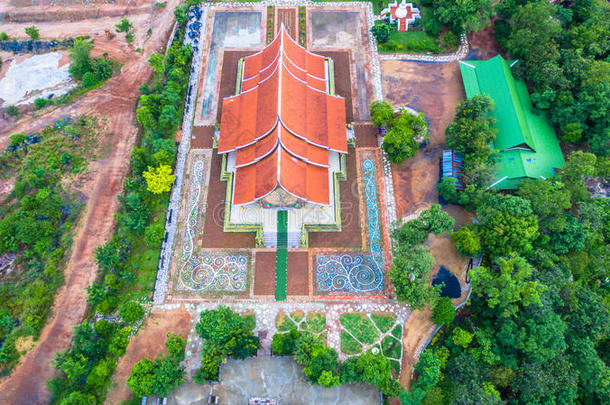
(283, 124)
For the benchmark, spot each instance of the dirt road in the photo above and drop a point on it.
(115, 101)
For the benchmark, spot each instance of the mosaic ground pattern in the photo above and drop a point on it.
(356, 272)
(213, 271)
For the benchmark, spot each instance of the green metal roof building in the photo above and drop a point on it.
(527, 143)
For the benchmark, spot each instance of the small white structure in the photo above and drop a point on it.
(404, 13)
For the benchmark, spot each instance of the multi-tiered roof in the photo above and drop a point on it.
(283, 124)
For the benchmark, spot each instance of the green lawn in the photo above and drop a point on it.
(391, 347)
(349, 345)
(315, 323)
(359, 325)
(384, 321)
(411, 41)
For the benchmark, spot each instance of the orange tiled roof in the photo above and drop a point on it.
(283, 124)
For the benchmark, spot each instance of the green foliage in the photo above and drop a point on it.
(432, 220)
(359, 325)
(123, 26)
(153, 234)
(81, 59)
(443, 312)
(131, 312)
(381, 31)
(12, 110)
(159, 179)
(285, 343)
(507, 285)
(408, 275)
(32, 32)
(129, 37)
(382, 113)
(507, 224)
(400, 141)
(467, 241)
(216, 325)
(383, 321)
(40, 103)
(461, 337)
(181, 14)
(4, 36)
(431, 23)
(446, 189)
(461, 16)
(374, 369)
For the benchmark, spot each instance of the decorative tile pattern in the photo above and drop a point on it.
(215, 272)
(354, 271)
(350, 272)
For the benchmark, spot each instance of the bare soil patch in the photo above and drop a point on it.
(366, 134)
(148, 343)
(264, 273)
(483, 44)
(416, 330)
(213, 234)
(434, 89)
(298, 273)
(202, 137)
(350, 236)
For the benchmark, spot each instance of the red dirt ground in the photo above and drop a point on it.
(366, 134)
(287, 16)
(149, 342)
(350, 235)
(114, 100)
(434, 89)
(202, 137)
(264, 273)
(213, 234)
(298, 273)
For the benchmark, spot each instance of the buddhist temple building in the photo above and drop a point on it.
(282, 136)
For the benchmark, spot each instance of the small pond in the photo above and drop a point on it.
(451, 287)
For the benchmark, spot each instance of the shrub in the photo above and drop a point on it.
(3, 36)
(17, 139)
(12, 110)
(123, 26)
(450, 40)
(285, 343)
(41, 103)
(159, 180)
(89, 79)
(32, 32)
(444, 311)
(461, 337)
(381, 31)
(382, 113)
(129, 37)
(153, 234)
(447, 190)
(131, 311)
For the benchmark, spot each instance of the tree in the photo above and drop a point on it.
(131, 311)
(175, 345)
(507, 285)
(408, 275)
(381, 31)
(328, 379)
(216, 325)
(399, 144)
(242, 344)
(17, 139)
(443, 312)
(159, 180)
(181, 14)
(81, 59)
(463, 15)
(120, 341)
(578, 166)
(507, 224)
(32, 32)
(549, 198)
(429, 369)
(123, 26)
(322, 359)
(446, 189)
(306, 345)
(141, 380)
(376, 369)
(382, 113)
(168, 375)
(461, 337)
(466, 240)
(78, 398)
